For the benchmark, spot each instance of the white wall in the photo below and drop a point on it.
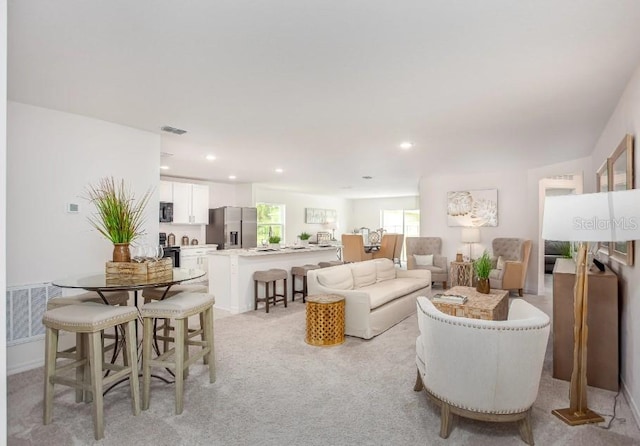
(52, 157)
(3, 215)
(367, 212)
(296, 203)
(626, 119)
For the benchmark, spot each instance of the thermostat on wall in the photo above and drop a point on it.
(73, 208)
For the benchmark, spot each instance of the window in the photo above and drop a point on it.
(270, 221)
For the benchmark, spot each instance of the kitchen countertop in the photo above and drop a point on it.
(267, 251)
(196, 246)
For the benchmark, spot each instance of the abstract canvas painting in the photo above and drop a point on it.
(472, 208)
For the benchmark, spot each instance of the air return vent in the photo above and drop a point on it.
(170, 129)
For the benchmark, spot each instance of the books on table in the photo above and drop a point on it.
(449, 299)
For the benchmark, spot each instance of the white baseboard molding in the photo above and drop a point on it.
(19, 368)
(632, 404)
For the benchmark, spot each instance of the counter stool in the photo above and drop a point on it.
(302, 272)
(151, 294)
(88, 321)
(330, 263)
(113, 298)
(178, 308)
(269, 277)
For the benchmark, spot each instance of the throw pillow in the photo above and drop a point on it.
(364, 273)
(424, 260)
(500, 263)
(385, 270)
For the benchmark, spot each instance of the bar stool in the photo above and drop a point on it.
(151, 294)
(269, 277)
(330, 263)
(112, 297)
(302, 272)
(178, 308)
(89, 320)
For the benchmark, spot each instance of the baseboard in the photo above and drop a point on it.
(632, 404)
(30, 365)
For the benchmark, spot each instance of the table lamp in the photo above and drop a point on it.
(600, 217)
(470, 236)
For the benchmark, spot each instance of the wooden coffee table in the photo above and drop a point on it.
(493, 306)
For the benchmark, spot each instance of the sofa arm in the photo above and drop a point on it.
(416, 273)
(357, 297)
(513, 275)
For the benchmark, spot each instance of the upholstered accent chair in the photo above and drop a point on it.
(387, 247)
(484, 370)
(353, 248)
(511, 258)
(423, 246)
(397, 252)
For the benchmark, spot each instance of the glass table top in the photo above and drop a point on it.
(100, 281)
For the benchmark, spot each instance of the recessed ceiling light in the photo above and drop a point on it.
(279, 170)
(211, 157)
(232, 177)
(367, 177)
(406, 145)
(164, 167)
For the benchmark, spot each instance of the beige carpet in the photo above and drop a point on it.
(274, 389)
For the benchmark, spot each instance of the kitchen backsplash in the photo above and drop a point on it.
(191, 231)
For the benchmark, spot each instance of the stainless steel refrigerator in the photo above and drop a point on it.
(233, 227)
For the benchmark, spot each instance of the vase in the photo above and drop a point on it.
(121, 252)
(483, 286)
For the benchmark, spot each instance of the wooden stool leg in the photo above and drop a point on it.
(179, 359)
(293, 287)
(80, 371)
(284, 292)
(304, 288)
(255, 295)
(132, 353)
(51, 348)
(207, 329)
(95, 366)
(186, 346)
(166, 332)
(147, 336)
(203, 338)
(266, 295)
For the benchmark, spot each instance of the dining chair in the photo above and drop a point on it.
(353, 249)
(387, 247)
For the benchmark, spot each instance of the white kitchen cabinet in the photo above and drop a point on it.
(195, 258)
(166, 191)
(190, 203)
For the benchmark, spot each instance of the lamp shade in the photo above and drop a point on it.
(600, 217)
(470, 235)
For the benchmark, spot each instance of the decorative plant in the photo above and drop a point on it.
(483, 266)
(119, 217)
(274, 239)
(565, 250)
(304, 236)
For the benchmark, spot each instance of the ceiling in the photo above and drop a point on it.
(327, 90)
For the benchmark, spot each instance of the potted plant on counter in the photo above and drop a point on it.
(274, 241)
(483, 268)
(119, 217)
(304, 238)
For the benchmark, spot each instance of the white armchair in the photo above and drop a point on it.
(485, 370)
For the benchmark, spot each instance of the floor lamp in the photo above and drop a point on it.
(601, 217)
(470, 236)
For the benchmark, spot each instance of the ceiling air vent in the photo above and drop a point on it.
(170, 129)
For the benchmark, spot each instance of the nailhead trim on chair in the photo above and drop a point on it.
(463, 323)
(123, 314)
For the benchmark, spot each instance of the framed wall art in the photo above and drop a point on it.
(472, 208)
(602, 185)
(621, 177)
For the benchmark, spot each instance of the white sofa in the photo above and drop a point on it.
(377, 294)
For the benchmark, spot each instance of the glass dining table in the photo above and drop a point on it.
(101, 283)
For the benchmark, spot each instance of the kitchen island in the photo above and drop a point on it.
(231, 271)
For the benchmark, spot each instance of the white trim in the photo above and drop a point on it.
(632, 404)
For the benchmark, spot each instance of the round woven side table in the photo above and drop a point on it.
(325, 320)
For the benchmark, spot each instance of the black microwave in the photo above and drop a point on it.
(166, 212)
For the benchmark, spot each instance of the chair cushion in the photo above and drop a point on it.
(179, 306)
(364, 273)
(302, 270)
(113, 298)
(270, 275)
(157, 293)
(423, 260)
(500, 263)
(88, 317)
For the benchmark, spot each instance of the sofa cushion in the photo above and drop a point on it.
(385, 270)
(364, 273)
(383, 292)
(423, 260)
(336, 277)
